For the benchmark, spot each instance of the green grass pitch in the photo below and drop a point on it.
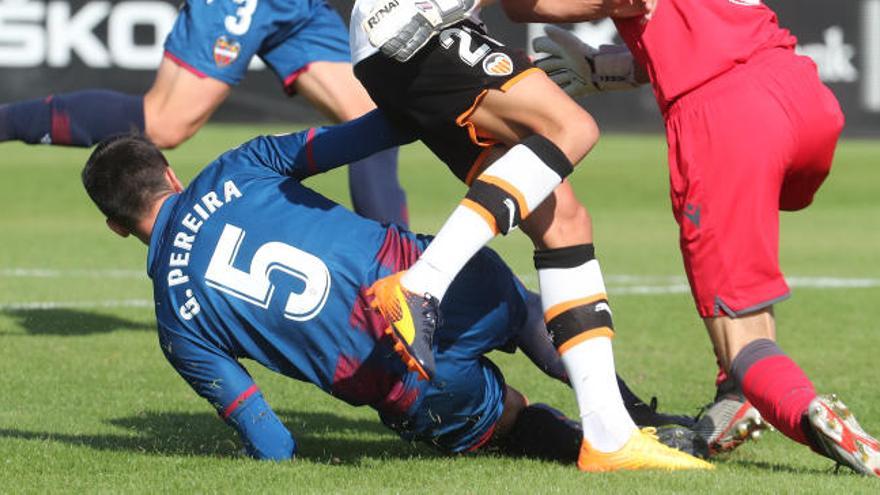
(89, 404)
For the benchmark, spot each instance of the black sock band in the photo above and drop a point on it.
(550, 154)
(501, 204)
(579, 320)
(567, 257)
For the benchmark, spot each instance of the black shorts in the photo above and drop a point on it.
(437, 90)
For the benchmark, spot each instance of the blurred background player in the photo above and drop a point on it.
(751, 131)
(303, 310)
(207, 52)
(506, 130)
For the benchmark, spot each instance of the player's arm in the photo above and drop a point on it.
(580, 69)
(319, 149)
(574, 10)
(223, 382)
(534, 340)
(401, 28)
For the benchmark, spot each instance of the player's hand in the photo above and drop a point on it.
(629, 8)
(400, 28)
(578, 68)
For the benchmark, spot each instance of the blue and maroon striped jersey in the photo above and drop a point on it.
(247, 262)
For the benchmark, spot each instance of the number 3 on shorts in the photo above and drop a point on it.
(239, 23)
(254, 286)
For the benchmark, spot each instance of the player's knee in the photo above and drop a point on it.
(574, 132)
(514, 404)
(168, 134)
(580, 136)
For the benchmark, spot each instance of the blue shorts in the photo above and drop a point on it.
(218, 38)
(482, 309)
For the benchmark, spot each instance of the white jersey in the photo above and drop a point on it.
(358, 39)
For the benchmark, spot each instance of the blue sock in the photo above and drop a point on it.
(29, 121)
(375, 191)
(71, 119)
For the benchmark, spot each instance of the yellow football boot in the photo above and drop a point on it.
(412, 318)
(642, 451)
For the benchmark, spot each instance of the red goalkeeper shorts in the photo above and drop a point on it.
(747, 144)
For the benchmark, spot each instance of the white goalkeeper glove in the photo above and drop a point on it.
(400, 28)
(578, 68)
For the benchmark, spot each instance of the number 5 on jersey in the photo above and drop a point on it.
(254, 285)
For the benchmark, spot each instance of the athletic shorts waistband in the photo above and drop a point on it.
(722, 85)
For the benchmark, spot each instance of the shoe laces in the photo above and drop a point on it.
(430, 310)
(718, 398)
(650, 432)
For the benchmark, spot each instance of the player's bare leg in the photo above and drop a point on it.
(375, 191)
(730, 419)
(779, 389)
(174, 108)
(332, 88)
(499, 198)
(525, 186)
(730, 335)
(179, 103)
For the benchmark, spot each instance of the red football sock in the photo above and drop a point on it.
(775, 385)
(721, 377)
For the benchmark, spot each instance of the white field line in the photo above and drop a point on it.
(617, 285)
(48, 305)
(664, 284)
(50, 273)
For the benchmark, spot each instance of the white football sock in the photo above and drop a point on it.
(503, 194)
(577, 313)
(590, 367)
(463, 234)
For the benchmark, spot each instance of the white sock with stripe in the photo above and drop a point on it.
(579, 319)
(463, 234)
(497, 201)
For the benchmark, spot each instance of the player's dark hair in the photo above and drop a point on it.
(124, 175)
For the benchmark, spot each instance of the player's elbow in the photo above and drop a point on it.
(281, 448)
(523, 10)
(514, 11)
(554, 11)
(263, 434)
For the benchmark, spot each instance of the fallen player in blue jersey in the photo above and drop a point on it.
(247, 262)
